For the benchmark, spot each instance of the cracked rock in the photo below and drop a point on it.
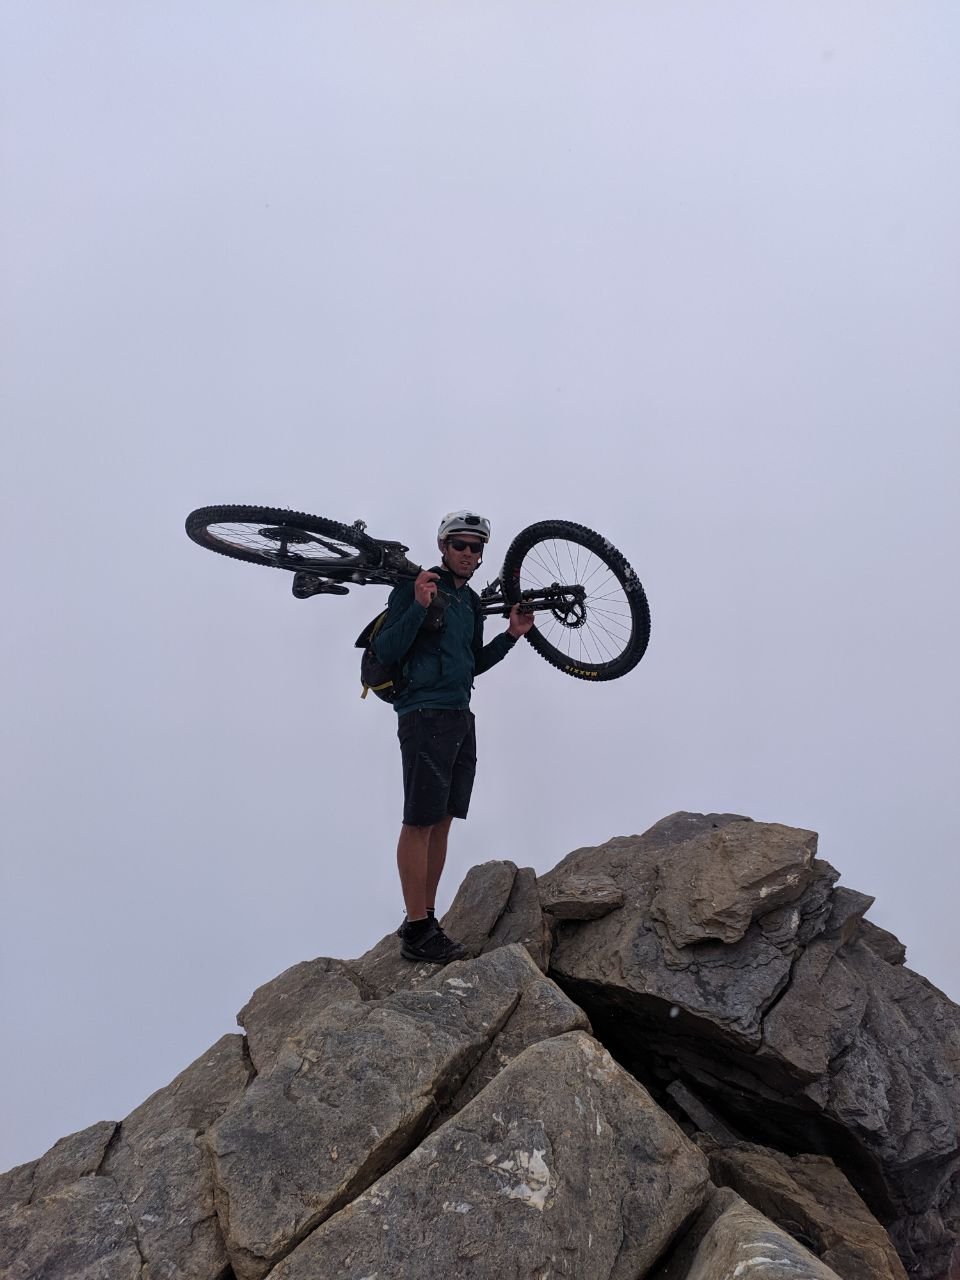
(587, 1179)
(344, 1100)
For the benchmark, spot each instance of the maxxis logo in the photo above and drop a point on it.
(581, 671)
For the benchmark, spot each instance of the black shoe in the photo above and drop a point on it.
(430, 945)
(404, 921)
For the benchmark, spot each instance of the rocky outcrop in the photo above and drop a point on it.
(774, 1003)
(589, 1180)
(700, 1002)
(808, 1196)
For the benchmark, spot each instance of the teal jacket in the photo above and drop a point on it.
(438, 666)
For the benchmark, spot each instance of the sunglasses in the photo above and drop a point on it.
(461, 544)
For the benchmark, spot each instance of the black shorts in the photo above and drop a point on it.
(439, 750)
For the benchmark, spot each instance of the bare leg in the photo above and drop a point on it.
(436, 857)
(412, 850)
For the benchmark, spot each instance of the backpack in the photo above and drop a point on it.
(386, 679)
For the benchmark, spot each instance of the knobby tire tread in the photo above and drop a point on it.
(543, 531)
(198, 521)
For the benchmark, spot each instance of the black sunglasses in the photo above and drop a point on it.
(461, 544)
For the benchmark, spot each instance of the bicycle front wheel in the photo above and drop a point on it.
(605, 636)
(281, 539)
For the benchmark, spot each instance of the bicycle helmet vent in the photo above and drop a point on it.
(464, 522)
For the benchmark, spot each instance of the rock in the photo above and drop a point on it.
(705, 1120)
(743, 1243)
(882, 943)
(481, 900)
(16, 1185)
(846, 914)
(80, 1231)
(586, 1177)
(677, 1261)
(579, 897)
(744, 990)
(162, 1172)
(291, 1002)
(496, 905)
(808, 1197)
(798, 1033)
(626, 970)
(822, 980)
(76, 1156)
(713, 885)
(543, 1011)
(346, 1099)
(522, 921)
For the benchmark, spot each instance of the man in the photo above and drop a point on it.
(434, 627)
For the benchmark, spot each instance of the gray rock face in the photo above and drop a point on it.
(497, 904)
(81, 1231)
(162, 1172)
(579, 897)
(291, 1002)
(743, 1243)
(587, 1180)
(542, 1011)
(809, 1197)
(630, 959)
(797, 1030)
(714, 885)
(77, 1156)
(346, 1099)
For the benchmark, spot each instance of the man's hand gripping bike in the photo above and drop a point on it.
(593, 621)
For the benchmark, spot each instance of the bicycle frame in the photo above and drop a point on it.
(394, 568)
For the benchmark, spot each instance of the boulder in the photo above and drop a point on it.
(162, 1172)
(542, 1011)
(563, 1165)
(291, 1002)
(741, 1242)
(575, 897)
(353, 1092)
(715, 884)
(808, 1197)
(497, 904)
(77, 1156)
(82, 1231)
(627, 966)
(802, 1030)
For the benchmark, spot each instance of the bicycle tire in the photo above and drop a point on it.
(625, 623)
(203, 528)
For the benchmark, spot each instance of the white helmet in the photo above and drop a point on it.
(464, 522)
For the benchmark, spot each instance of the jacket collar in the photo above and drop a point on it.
(447, 578)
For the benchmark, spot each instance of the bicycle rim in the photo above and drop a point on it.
(608, 635)
(278, 538)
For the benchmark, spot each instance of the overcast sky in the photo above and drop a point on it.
(684, 272)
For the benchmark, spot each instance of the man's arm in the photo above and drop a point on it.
(488, 655)
(406, 610)
(404, 619)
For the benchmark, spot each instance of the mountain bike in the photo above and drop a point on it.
(593, 620)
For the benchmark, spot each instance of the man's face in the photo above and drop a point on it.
(462, 552)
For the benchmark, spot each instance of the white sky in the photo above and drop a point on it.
(686, 273)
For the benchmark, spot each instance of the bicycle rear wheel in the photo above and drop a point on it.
(605, 637)
(281, 539)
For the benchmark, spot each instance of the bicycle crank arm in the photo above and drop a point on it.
(538, 599)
